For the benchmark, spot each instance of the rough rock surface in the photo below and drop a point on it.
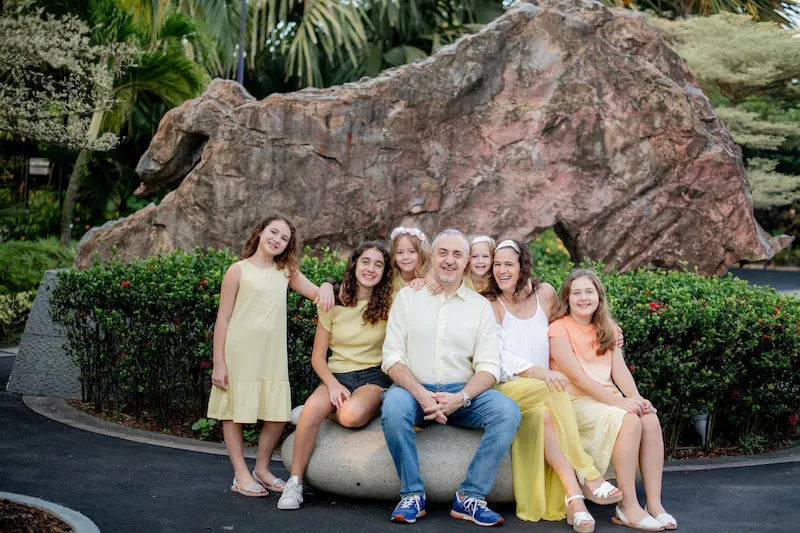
(357, 463)
(559, 113)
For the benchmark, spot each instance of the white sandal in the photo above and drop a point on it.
(581, 521)
(602, 494)
(665, 519)
(648, 523)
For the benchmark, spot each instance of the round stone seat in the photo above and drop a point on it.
(356, 462)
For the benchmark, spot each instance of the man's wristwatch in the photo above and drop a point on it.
(467, 400)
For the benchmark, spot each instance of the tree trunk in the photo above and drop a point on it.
(68, 208)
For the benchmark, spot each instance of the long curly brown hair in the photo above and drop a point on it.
(525, 258)
(381, 299)
(287, 259)
(604, 326)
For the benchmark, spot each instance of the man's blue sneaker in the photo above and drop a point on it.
(409, 509)
(474, 510)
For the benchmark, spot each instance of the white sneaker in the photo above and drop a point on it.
(295, 416)
(292, 495)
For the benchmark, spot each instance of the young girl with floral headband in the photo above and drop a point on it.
(251, 372)
(411, 258)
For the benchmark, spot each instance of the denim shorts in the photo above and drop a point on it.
(369, 376)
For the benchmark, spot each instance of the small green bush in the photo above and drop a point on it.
(14, 310)
(549, 251)
(142, 336)
(24, 263)
(40, 220)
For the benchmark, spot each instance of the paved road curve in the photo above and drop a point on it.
(129, 487)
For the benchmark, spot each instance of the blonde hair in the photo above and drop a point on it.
(605, 329)
(423, 255)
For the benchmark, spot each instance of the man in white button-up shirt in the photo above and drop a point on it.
(442, 353)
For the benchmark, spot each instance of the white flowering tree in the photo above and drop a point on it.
(54, 84)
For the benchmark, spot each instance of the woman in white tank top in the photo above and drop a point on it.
(547, 450)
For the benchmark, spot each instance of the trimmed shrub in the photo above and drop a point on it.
(142, 333)
(14, 310)
(142, 336)
(24, 263)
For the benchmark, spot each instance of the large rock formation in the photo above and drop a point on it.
(559, 113)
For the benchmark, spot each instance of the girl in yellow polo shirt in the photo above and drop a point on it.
(352, 379)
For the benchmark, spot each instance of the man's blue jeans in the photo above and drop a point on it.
(494, 412)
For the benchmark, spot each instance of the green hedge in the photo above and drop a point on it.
(141, 334)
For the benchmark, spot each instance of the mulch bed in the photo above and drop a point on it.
(178, 426)
(18, 518)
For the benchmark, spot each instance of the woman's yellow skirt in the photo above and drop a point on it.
(537, 487)
(599, 425)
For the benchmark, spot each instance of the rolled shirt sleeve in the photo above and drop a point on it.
(486, 357)
(395, 347)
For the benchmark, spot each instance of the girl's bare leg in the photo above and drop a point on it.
(317, 407)
(233, 443)
(362, 406)
(270, 433)
(624, 457)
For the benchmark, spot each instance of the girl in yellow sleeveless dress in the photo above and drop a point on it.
(614, 429)
(352, 379)
(547, 450)
(250, 379)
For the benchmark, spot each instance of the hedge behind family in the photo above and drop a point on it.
(455, 332)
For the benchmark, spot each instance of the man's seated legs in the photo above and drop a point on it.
(499, 417)
(400, 412)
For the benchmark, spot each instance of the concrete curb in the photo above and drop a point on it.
(59, 410)
(78, 522)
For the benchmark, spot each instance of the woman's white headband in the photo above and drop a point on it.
(508, 243)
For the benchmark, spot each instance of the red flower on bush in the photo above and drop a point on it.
(125, 284)
(123, 355)
(653, 305)
(793, 420)
(205, 364)
(736, 395)
(204, 282)
(631, 367)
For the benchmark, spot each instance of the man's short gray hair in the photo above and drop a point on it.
(451, 232)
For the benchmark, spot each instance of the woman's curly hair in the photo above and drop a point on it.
(525, 258)
(287, 259)
(381, 300)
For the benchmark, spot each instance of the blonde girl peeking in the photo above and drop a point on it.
(481, 255)
(619, 428)
(352, 379)
(250, 377)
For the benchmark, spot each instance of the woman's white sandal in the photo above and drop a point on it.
(648, 523)
(665, 519)
(602, 494)
(581, 521)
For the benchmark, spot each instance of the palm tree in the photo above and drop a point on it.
(164, 76)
